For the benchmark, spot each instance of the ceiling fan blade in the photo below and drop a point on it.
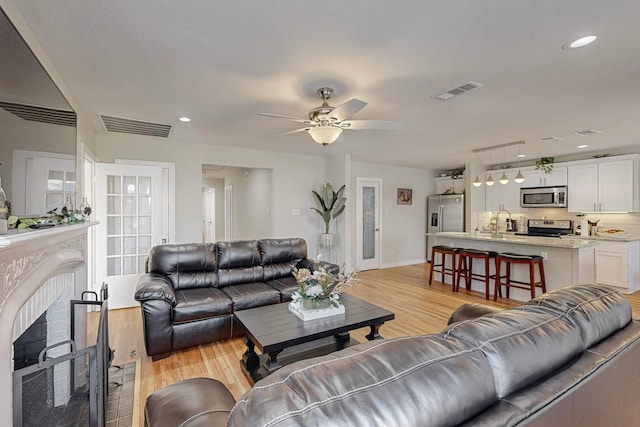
(346, 110)
(294, 131)
(295, 119)
(369, 124)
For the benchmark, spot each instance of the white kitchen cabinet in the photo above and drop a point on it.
(607, 186)
(617, 264)
(536, 178)
(503, 196)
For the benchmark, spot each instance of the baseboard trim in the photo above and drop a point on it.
(404, 263)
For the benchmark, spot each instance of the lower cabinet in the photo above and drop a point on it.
(617, 264)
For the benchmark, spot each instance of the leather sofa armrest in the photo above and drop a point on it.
(153, 286)
(313, 265)
(470, 311)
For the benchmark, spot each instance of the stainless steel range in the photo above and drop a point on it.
(548, 227)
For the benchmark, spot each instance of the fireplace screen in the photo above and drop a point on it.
(70, 388)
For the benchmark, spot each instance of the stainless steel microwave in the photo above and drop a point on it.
(543, 197)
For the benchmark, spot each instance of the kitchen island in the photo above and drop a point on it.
(567, 261)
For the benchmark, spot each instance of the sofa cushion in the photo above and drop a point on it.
(200, 303)
(192, 402)
(239, 262)
(191, 265)
(285, 285)
(521, 346)
(280, 255)
(596, 310)
(251, 295)
(408, 381)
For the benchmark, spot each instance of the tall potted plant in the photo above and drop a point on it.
(330, 205)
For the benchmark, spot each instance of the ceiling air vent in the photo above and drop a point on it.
(551, 139)
(457, 91)
(587, 132)
(137, 127)
(41, 114)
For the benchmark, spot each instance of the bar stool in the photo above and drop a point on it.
(465, 268)
(451, 271)
(531, 261)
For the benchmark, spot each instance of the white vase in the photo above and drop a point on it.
(326, 239)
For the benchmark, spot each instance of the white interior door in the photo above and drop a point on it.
(368, 220)
(209, 215)
(128, 205)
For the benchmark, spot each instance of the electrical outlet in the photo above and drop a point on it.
(295, 212)
(544, 255)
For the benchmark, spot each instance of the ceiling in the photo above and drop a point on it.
(222, 62)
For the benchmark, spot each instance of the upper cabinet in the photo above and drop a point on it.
(604, 186)
(503, 196)
(536, 178)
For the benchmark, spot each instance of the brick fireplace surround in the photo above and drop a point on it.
(35, 268)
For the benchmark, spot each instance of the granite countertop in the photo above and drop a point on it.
(624, 237)
(565, 242)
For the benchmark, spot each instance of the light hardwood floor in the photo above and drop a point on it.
(419, 309)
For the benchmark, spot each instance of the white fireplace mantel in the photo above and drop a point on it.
(26, 264)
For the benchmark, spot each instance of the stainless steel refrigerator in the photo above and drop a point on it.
(445, 212)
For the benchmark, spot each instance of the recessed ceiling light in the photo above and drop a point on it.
(582, 146)
(185, 119)
(521, 155)
(581, 42)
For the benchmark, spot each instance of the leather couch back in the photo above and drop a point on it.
(408, 381)
(280, 255)
(239, 262)
(191, 265)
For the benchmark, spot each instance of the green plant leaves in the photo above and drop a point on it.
(330, 205)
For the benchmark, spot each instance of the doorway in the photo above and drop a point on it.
(368, 222)
(129, 208)
(209, 215)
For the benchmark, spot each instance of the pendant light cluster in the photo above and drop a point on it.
(504, 179)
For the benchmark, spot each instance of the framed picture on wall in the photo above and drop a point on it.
(405, 196)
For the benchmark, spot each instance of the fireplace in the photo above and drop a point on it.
(36, 269)
(69, 389)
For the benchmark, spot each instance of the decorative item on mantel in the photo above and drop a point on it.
(331, 204)
(318, 293)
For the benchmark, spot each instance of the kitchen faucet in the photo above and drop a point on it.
(496, 233)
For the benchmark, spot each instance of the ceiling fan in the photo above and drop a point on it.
(326, 123)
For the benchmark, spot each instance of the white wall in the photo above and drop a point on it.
(403, 226)
(293, 178)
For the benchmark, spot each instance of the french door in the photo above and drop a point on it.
(128, 205)
(368, 220)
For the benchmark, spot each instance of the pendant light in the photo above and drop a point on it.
(476, 182)
(503, 179)
(489, 180)
(519, 178)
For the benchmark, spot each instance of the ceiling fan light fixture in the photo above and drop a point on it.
(325, 135)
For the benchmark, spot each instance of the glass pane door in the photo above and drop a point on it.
(129, 208)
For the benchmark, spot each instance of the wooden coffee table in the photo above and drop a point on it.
(283, 338)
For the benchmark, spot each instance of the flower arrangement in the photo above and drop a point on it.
(320, 288)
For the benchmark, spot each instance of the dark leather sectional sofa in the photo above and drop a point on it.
(567, 358)
(190, 291)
